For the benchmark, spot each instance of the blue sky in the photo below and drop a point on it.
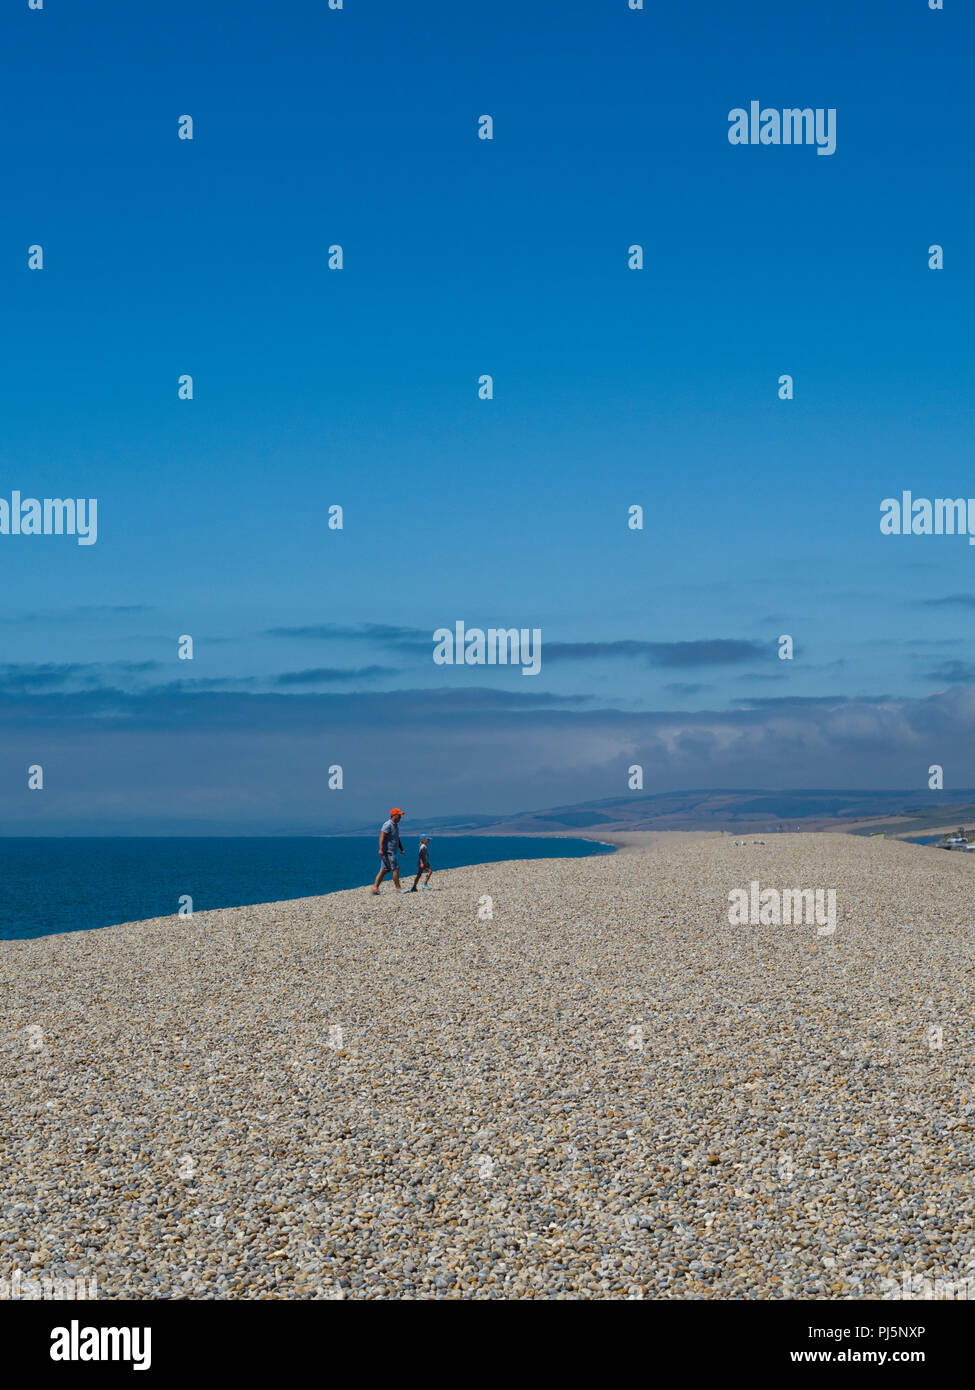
(358, 387)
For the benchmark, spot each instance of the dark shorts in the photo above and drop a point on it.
(390, 862)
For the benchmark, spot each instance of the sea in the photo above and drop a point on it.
(57, 885)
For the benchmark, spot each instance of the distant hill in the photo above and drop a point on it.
(894, 812)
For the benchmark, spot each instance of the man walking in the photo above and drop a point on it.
(423, 863)
(390, 845)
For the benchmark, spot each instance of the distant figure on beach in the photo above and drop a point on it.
(423, 863)
(389, 845)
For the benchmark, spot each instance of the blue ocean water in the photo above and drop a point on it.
(57, 885)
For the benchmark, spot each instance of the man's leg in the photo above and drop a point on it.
(396, 876)
(379, 878)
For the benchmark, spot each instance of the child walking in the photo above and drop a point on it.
(423, 864)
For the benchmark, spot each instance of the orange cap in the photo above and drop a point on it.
(396, 811)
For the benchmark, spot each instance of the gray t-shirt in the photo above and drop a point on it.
(392, 842)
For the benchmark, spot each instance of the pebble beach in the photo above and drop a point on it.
(540, 1079)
